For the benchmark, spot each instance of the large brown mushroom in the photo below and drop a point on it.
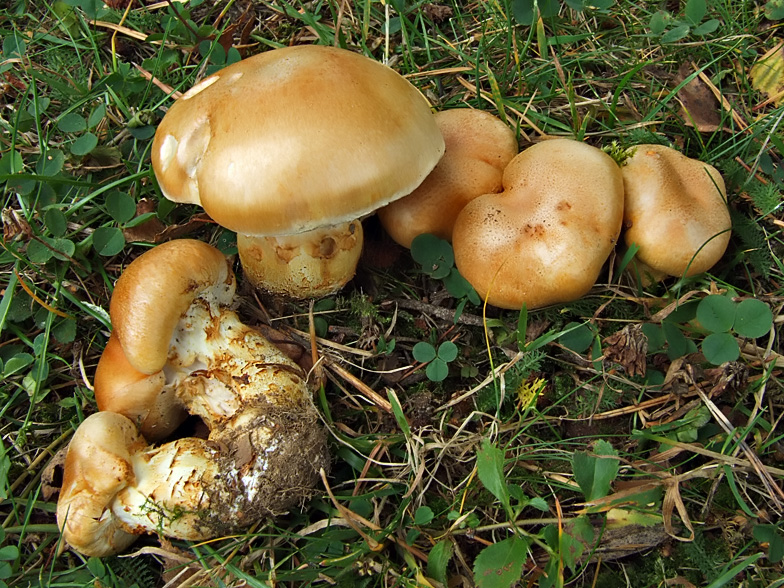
(544, 239)
(289, 148)
(478, 148)
(675, 211)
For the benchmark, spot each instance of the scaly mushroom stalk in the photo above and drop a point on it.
(311, 263)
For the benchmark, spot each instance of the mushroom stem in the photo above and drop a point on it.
(220, 367)
(307, 265)
(171, 490)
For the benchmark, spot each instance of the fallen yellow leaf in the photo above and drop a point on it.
(767, 75)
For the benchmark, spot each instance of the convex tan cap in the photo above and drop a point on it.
(478, 148)
(675, 211)
(292, 140)
(544, 239)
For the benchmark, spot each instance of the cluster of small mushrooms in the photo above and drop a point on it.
(536, 227)
(290, 149)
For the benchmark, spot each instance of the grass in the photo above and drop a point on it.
(460, 472)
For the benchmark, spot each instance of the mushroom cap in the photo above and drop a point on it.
(478, 148)
(143, 398)
(296, 138)
(156, 289)
(97, 468)
(675, 211)
(544, 239)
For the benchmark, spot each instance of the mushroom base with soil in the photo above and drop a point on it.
(116, 487)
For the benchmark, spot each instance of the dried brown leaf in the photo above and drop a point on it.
(15, 226)
(699, 107)
(628, 348)
(148, 231)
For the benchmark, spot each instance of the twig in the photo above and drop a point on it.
(358, 384)
(767, 480)
(446, 314)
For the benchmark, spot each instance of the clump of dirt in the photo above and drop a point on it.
(268, 464)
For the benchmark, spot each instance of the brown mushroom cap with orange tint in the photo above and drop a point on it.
(292, 141)
(545, 238)
(478, 148)
(149, 300)
(675, 211)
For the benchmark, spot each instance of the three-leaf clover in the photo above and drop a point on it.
(437, 360)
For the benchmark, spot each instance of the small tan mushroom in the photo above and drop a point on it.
(478, 148)
(675, 211)
(289, 149)
(544, 239)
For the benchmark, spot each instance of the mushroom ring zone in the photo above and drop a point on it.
(177, 348)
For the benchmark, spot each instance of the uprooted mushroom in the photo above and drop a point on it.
(178, 346)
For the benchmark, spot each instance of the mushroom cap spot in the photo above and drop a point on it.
(544, 239)
(305, 136)
(478, 148)
(675, 210)
(156, 289)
